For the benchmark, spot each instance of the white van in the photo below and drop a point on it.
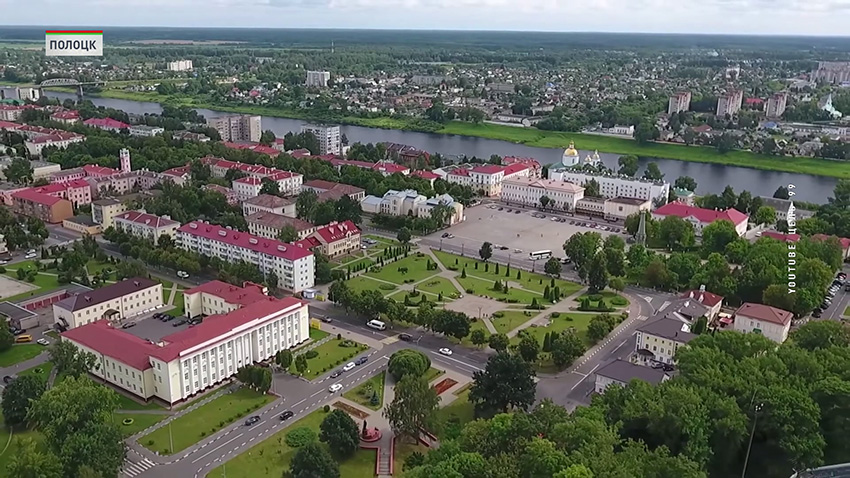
(377, 325)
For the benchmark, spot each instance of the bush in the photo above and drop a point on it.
(470, 291)
(311, 354)
(300, 437)
(619, 301)
(498, 315)
(555, 315)
(387, 287)
(452, 268)
(326, 408)
(595, 297)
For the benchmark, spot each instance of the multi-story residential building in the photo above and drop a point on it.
(179, 176)
(180, 65)
(66, 117)
(183, 364)
(124, 183)
(318, 78)
(832, 72)
(38, 138)
(660, 339)
(124, 299)
(614, 186)
(49, 209)
(288, 183)
(763, 319)
(293, 266)
(698, 303)
(237, 127)
(622, 372)
(776, 105)
(528, 192)
(269, 225)
(104, 211)
(77, 191)
(11, 112)
(394, 203)
(145, 131)
(487, 178)
(22, 93)
(218, 298)
(334, 239)
(328, 137)
(729, 103)
(681, 101)
(319, 187)
(148, 226)
(386, 168)
(247, 187)
(268, 203)
(255, 147)
(107, 124)
(455, 215)
(700, 217)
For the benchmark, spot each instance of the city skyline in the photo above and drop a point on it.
(790, 17)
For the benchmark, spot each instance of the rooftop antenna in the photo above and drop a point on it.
(640, 237)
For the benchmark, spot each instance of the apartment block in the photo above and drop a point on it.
(147, 226)
(114, 302)
(328, 136)
(237, 127)
(681, 101)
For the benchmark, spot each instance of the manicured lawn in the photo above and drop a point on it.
(125, 403)
(271, 457)
(317, 334)
(360, 283)
(11, 438)
(19, 353)
(475, 325)
(484, 288)
(331, 354)
(560, 324)
(512, 319)
(362, 393)
(353, 263)
(416, 270)
(451, 418)
(433, 373)
(846, 311)
(404, 449)
(94, 267)
(43, 374)
(141, 421)
(439, 285)
(527, 280)
(204, 421)
(608, 297)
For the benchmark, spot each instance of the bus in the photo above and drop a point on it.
(376, 324)
(539, 255)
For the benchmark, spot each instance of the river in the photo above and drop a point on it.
(711, 178)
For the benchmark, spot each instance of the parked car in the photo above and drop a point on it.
(445, 351)
(405, 337)
(128, 325)
(847, 287)
(30, 256)
(286, 415)
(326, 320)
(44, 342)
(348, 366)
(445, 234)
(336, 373)
(252, 420)
(183, 274)
(335, 388)
(178, 323)
(517, 211)
(361, 360)
(817, 313)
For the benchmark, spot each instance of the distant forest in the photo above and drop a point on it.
(489, 40)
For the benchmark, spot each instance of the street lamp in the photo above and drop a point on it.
(757, 409)
(462, 247)
(441, 243)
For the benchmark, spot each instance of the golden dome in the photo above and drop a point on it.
(571, 151)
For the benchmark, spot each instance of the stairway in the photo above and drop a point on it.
(384, 460)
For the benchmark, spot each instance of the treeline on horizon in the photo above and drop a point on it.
(471, 39)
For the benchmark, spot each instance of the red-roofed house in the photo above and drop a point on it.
(148, 226)
(217, 297)
(49, 209)
(179, 176)
(97, 171)
(255, 147)
(66, 116)
(197, 358)
(712, 302)
(488, 178)
(77, 191)
(334, 239)
(533, 164)
(700, 217)
(107, 124)
(426, 175)
(781, 237)
(293, 266)
(9, 126)
(387, 168)
(35, 143)
(287, 182)
(247, 187)
(763, 319)
(11, 112)
(842, 241)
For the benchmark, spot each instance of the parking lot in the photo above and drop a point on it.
(150, 328)
(523, 232)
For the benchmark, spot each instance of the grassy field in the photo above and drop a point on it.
(362, 393)
(330, 355)
(512, 319)
(608, 298)
(354, 262)
(451, 418)
(9, 440)
(141, 421)
(433, 373)
(439, 285)
(484, 288)
(271, 457)
(473, 326)
(43, 282)
(404, 449)
(203, 421)
(578, 320)
(43, 374)
(846, 311)
(360, 283)
(416, 270)
(607, 144)
(19, 353)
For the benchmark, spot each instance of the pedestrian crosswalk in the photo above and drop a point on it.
(390, 340)
(642, 317)
(664, 305)
(132, 468)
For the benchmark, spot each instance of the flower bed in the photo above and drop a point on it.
(444, 385)
(353, 411)
(127, 421)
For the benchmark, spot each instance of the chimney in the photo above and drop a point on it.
(687, 303)
(691, 294)
(702, 288)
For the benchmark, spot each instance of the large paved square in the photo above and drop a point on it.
(10, 287)
(475, 306)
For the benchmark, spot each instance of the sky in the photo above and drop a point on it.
(777, 17)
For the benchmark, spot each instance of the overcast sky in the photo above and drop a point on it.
(783, 17)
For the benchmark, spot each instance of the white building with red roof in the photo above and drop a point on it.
(700, 217)
(763, 319)
(487, 178)
(77, 191)
(106, 124)
(194, 359)
(255, 147)
(66, 116)
(843, 242)
(217, 297)
(228, 193)
(11, 112)
(709, 301)
(287, 182)
(179, 176)
(334, 239)
(247, 187)
(293, 265)
(426, 175)
(387, 168)
(144, 225)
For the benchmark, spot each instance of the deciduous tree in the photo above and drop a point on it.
(313, 461)
(506, 383)
(340, 432)
(18, 396)
(408, 362)
(413, 407)
(486, 251)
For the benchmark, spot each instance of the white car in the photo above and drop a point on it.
(42, 342)
(445, 351)
(335, 388)
(348, 366)
(183, 274)
(30, 256)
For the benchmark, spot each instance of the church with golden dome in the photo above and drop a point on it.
(572, 158)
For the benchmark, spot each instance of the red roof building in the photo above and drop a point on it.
(50, 209)
(700, 217)
(107, 124)
(781, 237)
(217, 297)
(334, 239)
(115, 343)
(763, 319)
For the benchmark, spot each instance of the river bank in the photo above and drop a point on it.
(525, 136)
